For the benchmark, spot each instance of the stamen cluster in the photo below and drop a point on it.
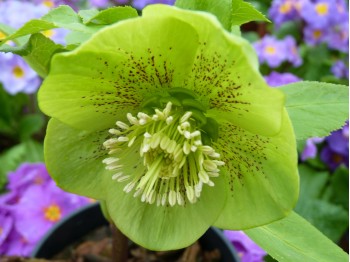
(176, 163)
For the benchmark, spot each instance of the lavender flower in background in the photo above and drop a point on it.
(339, 35)
(310, 150)
(292, 53)
(39, 209)
(282, 11)
(34, 205)
(140, 4)
(247, 250)
(276, 79)
(340, 69)
(318, 14)
(16, 76)
(336, 152)
(274, 52)
(315, 36)
(26, 175)
(15, 13)
(338, 141)
(98, 3)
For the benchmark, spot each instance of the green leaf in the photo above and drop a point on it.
(329, 218)
(294, 239)
(338, 188)
(221, 9)
(229, 12)
(244, 12)
(30, 124)
(109, 16)
(316, 108)
(87, 15)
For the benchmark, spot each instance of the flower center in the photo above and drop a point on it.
(271, 50)
(175, 164)
(317, 34)
(285, 7)
(52, 213)
(18, 72)
(48, 3)
(321, 9)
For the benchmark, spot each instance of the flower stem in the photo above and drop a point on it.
(119, 244)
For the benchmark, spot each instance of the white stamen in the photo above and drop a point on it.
(169, 120)
(122, 125)
(186, 116)
(110, 160)
(172, 197)
(114, 131)
(203, 176)
(123, 178)
(123, 139)
(131, 142)
(115, 176)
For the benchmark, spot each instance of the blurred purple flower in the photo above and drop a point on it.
(15, 13)
(55, 3)
(247, 250)
(140, 4)
(285, 10)
(292, 53)
(33, 204)
(340, 70)
(16, 76)
(310, 150)
(26, 175)
(338, 141)
(40, 208)
(318, 14)
(17, 245)
(276, 79)
(6, 223)
(339, 35)
(98, 3)
(274, 52)
(314, 36)
(270, 51)
(333, 159)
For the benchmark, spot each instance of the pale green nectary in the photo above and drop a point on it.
(167, 119)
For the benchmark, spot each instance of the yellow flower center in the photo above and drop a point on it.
(285, 7)
(18, 72)
(271, 50)
(2, 35)
(48, 33)
(52, 213)
(322, 9)
(48, 3)
(174, 165)
(317, 34)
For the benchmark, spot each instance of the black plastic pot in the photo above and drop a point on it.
(86, 219)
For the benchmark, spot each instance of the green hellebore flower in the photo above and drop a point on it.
(167, 119)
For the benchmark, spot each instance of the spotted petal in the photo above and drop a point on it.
(262, 174)
(93, 86)
(225, 71)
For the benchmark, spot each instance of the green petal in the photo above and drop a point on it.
(262, 173)
(226, 72)
(94, 85)
(162, 227)
(74, 159)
